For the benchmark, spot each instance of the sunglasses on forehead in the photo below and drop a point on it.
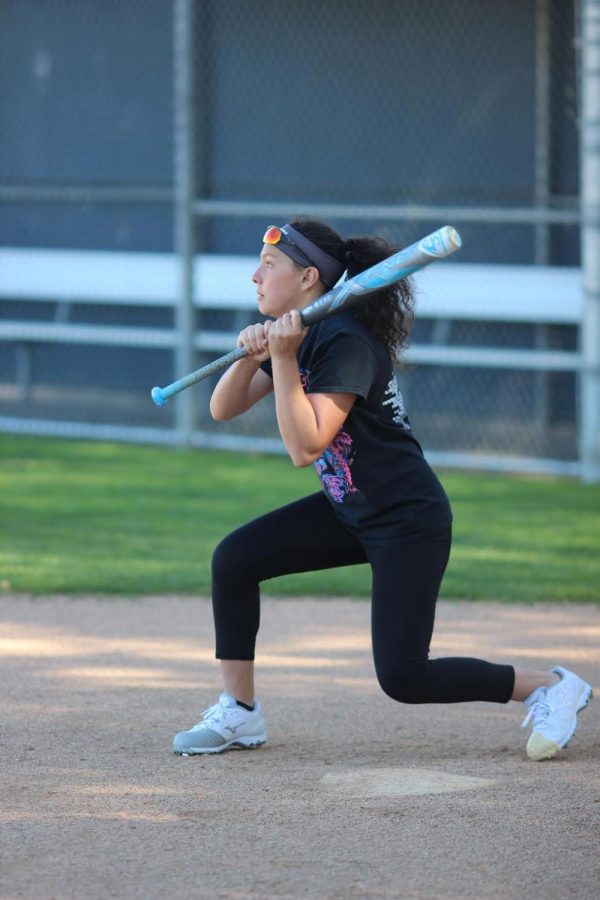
(275, 235)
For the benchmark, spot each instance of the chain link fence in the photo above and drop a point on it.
(146, 146)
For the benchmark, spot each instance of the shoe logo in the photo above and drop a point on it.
(233, 728)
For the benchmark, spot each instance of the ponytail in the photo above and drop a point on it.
(387, 313)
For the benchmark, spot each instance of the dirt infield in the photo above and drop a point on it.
(353, 796)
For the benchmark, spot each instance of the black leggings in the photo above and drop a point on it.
(306, 536)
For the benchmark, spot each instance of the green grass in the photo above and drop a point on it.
(115, 519)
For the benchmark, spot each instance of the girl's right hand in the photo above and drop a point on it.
(254, 339)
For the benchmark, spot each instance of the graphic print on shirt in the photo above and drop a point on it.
(333, 467)
(396, 401)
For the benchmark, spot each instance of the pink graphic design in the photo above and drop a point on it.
(333, 467)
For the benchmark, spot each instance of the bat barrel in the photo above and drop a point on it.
(437, 245)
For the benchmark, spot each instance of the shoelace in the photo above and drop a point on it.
(214, 714)
(540, 709)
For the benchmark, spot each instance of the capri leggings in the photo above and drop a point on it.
(307, 536)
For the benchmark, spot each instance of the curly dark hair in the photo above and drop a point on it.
(388, 313)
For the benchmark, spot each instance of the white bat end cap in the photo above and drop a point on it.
(454, 237)
(441, 243)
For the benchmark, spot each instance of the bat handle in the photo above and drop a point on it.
(160, 395)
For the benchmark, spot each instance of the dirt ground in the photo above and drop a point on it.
(353, 796)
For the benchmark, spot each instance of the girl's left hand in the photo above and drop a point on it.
(286, 334)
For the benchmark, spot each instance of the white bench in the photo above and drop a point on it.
(66, 277)
(543, 296)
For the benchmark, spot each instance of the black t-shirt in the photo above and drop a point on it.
(373, 472)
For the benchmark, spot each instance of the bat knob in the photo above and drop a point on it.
(158, 396)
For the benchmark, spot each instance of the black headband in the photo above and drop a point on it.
(330, 269)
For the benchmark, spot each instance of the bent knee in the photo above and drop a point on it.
(403, 684)
(230, 558)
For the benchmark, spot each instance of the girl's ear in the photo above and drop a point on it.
(310, 277)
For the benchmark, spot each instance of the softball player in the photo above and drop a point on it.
(338, 407)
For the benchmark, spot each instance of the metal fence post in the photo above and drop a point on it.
(184, 177)
(542, 128)
(590, 240)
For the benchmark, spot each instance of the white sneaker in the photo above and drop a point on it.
(554, 711)
(222, 726)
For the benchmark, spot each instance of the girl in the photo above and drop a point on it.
(338, 406)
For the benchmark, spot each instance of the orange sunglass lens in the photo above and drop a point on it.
(272, 235)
